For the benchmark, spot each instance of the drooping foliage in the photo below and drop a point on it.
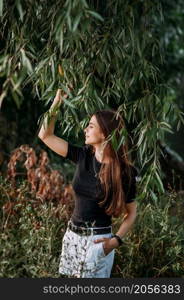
(108, 52)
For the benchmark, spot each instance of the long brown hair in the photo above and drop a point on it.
(111, 175)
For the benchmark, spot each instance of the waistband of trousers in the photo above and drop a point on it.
(89, 230)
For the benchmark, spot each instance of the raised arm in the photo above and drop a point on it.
(46, 133)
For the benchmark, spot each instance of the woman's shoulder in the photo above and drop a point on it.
(76, 152)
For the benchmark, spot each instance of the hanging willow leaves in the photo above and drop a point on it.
(108, 51)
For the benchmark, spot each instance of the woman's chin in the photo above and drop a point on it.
(87, 142)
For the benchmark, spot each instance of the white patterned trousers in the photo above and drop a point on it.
(82, 258)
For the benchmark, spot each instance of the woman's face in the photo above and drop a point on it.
(93, 134)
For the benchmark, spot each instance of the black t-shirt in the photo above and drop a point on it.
(87, 186)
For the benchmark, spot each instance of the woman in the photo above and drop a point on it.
(104, 187)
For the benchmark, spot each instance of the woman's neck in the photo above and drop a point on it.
(99, 153)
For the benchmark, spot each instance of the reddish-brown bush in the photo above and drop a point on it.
(47, 184)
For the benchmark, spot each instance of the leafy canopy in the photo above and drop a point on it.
(108, 51)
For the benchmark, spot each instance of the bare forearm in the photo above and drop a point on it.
(112, 243)
(48, 124)
(124, 228)
(47, 127)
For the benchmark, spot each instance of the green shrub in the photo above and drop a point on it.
(154, 247)
(32, 231)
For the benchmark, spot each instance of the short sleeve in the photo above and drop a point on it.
(74, 153)
(130, 189)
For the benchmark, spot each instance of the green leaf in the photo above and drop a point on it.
(113, 140)
(64, 88)
(76, 22)
(69, 22)
(159, 182)
(16, 99)
(121, 142)
(26, 62)
(49, 89)
(154, 196)
(1, 8)
(85, 3)
(76, 99)
(96, 15)
(2, 96)
(19, 8)
(68, 103)
(41, 64)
